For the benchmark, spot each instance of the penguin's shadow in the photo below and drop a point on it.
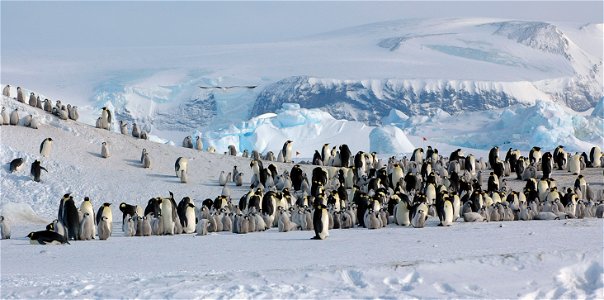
(133, 162)
(95, 154)
(168, 178)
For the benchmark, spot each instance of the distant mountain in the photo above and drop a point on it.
(534, 60)
(416, 66)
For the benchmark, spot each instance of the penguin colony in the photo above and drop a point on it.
(344, 191)
(404, 192)
(60, 110)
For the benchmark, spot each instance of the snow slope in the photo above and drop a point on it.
(360, 73)
(530, 260)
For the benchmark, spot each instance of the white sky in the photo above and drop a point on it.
(125, 24)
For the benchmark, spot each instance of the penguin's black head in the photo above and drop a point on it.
(106, 204)
(32, 235)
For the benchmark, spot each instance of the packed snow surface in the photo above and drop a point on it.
(529, 260)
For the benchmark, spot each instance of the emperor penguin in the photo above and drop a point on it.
(14, 117)
(71, 217)
(473, 217)
(5, 117)
(32, 99)
(143, 154)
(103, 229)
(232, 150)
(287, 151)
(20, 97)
(47, 105)
(397, 174)
(448, 211)
(4, 228)
(321, 222)
(417, 155)
(27, 121)
(36, 170)
(39, 103)
(239, 179)
(181, 164)
(105, 150)
(183, 176)
(86, 207)
(190, 219)
(187, 142)
(135, 132)
(595, 155)
(87, 227)
(16, 164)
(167, 216)
(46, 237)
(535, 155)
(35, 123)
(105, 211)
(124, 127)
(493, 156)
(325, 154)
(104, 120)
(420, 216)
(46, 147)
(6, 91)
(73, 114)
(146, 161)
(222, 179)
(574, 164)
(199, 143)
(401, 212)
(146, 226)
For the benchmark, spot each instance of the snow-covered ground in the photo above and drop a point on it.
(530, 260)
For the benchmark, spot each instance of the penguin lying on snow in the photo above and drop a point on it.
(46, 237)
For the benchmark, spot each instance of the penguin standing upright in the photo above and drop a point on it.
(71, 218)
(222, 180)
(105, 150)
(287, 151)
(36, 170)
(87, 227)
(181, 164)
(146, 161)
(32, 99)
(124, 127)
(320, 222)
(574, 164)
(135, 132)
(14, 117)
(86, 207)
(420, 216)
(5, 117)
(20, 97)
(6, 91)
(105, 211)
(547, 164)
(103, 229)
(595, 155)
(4, 228)
(46, 147)
(143, 154)
(199, 143)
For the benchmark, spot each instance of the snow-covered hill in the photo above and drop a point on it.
(416, 66)
(535, 259)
